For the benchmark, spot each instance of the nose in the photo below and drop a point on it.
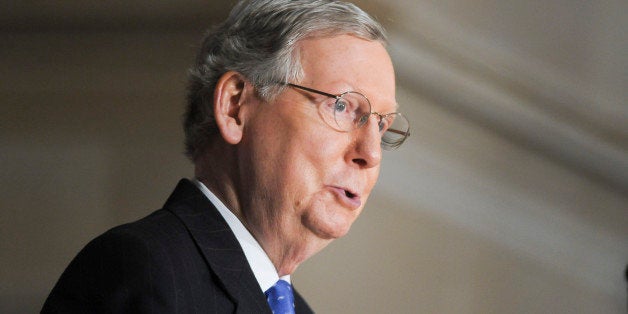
(367, 150)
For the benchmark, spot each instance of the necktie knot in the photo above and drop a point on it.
(280, 298)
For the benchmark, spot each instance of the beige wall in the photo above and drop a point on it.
(90, 139)
(466, 218)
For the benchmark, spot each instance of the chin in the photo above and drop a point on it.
(326, 220)
(328, 228)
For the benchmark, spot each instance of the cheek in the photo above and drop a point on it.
(308, 162)
(292, 163)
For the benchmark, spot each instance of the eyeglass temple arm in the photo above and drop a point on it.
(399, 132)
(312, 90)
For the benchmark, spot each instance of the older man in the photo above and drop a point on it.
(290, 104)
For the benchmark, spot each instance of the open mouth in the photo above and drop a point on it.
(349, 194)
(347, 198)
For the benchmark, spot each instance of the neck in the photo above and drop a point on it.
(213, 168)
(218, 170)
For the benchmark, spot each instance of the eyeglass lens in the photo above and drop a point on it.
(352, 110)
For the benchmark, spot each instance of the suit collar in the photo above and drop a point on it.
(260, 263)
(218, 245)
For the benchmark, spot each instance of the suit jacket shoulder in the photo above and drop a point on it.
(180, 259)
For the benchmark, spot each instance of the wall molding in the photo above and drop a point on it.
(529, 102)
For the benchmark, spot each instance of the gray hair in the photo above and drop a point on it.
(259, 41)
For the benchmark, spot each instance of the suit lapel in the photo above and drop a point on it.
(219, 247)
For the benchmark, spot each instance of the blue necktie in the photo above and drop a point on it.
(280, 298)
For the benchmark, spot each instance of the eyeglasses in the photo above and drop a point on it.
(351, 110)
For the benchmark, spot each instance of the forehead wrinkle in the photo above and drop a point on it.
(324, 69)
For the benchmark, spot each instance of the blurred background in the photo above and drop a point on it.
(511, 195)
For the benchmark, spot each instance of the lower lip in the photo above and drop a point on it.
(352, 203)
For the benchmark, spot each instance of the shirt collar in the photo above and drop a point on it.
(260, 263)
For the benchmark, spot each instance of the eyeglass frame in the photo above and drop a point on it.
(364, 118)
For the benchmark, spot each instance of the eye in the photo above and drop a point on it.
(340, 105)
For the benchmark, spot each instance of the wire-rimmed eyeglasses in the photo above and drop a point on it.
(351, 110)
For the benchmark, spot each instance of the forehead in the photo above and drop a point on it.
(342, 63)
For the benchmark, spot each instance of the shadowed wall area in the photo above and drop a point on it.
(511, 195)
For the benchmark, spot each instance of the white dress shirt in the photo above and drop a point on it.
(262, 267)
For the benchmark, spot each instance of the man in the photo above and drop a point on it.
(290, 103)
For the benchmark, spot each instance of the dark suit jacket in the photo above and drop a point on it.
(183, 258)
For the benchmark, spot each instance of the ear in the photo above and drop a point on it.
(228, 101)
